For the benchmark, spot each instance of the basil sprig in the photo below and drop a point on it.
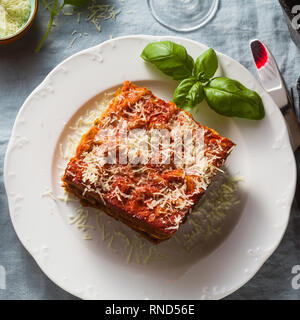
(188, 93)
(230, 98)
(225, 96)
(206, 65)
(170, 58)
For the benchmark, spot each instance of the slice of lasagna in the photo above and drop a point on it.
(145, 162)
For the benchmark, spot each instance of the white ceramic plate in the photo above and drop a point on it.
(108, 269)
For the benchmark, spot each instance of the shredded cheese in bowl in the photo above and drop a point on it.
(13, 15)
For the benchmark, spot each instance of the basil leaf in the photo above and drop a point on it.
(230, 98)
(77, 3)
(188, 94)
(206, 65)
(170, 58)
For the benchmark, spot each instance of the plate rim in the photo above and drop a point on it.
(147, 37)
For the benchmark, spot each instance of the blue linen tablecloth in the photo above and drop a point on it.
(21, 70)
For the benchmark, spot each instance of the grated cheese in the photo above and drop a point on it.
(13, 15)
(140, 147)
(96, 12)
(72, 42)
(87, 237)
(168, 198)
(48, 193)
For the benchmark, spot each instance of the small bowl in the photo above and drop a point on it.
(20, 33)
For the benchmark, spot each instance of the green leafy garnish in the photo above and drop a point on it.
(170, 58)
(188, 93)
(54, 11)
(230, 98)
(225, 96)
(206, 65)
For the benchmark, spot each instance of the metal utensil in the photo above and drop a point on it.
(273, 83)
